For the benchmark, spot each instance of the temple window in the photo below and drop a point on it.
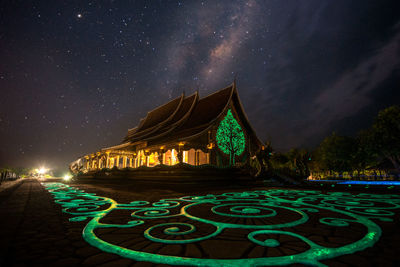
(197, 157)
(202, 158)
(153, 160)
(171, 157)
(185, 156)
(174, 158)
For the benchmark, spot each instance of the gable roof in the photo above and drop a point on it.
(154, 118)
(160, 113)
(206, 110)
(184, 118)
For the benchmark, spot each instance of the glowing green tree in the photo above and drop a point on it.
(230, 137)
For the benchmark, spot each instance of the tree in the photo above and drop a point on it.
(265, 156)
(365, 154)
(386, 131)
(299, 161)
(262, 160)
(230, 137)
(336, 152)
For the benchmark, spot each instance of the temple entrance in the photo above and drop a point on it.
(152, 160)
(170, 157)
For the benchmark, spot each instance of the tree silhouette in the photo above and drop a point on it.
(230, 137)
(386, 129)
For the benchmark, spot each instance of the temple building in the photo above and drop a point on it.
(212, 130)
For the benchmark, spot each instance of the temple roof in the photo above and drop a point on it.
(187, 103)
(208, 108)
(205, 111)
(160, 114)
(184, 118)
(154, 118)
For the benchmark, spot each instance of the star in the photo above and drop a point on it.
(79, 15)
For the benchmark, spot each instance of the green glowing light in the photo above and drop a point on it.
(243, 211)
(230, 137)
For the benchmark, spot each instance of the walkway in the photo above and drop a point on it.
(35, 231)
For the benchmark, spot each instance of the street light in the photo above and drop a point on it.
(67, 177)
(42, 170)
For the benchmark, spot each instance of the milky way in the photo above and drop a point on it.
(74, 76)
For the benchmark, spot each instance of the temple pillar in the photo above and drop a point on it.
(180, 156)
(117, 162)
(123, 162)
(146, 158)
(160, 157)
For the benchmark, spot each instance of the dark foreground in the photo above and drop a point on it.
(35, 231)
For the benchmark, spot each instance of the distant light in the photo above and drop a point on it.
(67, 177)
(42, 170)
(352, 182)
(79, 15)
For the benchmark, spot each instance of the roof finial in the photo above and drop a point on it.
(234, 80)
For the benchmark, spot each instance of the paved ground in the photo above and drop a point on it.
(9, 183)
(35, 231)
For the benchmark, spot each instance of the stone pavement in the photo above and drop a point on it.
(35, 232)
(8, 184)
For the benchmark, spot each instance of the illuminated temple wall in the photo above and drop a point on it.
(142, 158)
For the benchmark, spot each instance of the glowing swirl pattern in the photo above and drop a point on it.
(255, 213)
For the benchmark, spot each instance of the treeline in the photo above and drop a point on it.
(372, 152)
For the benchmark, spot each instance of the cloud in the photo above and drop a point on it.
(351, 91)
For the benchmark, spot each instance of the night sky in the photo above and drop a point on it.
(75, 75)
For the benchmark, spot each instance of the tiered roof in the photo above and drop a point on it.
(184, 118)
